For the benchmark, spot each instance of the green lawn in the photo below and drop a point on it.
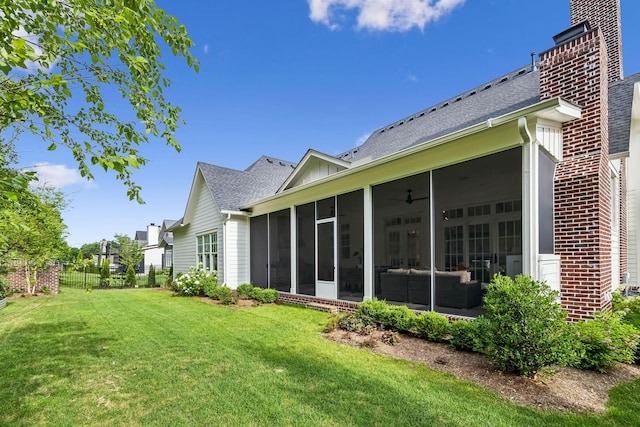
(142, 357)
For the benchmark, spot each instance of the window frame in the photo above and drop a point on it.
(207, 250)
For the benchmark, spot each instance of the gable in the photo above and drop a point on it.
(314, 166)
(201, 201)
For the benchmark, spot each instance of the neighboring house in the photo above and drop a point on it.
(166, 242)
(524, 174)
(149, 240)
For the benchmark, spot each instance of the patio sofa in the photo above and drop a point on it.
(454, 289)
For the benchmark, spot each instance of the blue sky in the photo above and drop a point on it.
(279, 77)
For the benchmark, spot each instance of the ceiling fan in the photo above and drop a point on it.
(410, 199)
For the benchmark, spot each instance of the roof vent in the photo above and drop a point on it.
(433, 109)
(269, 160)
(381, 131)
(282, 164)
(410, 119)
(458, 99)
(504, 79)
(572, 33)
(473, 93)
(521, 72)
(421, 114)
(445, 104)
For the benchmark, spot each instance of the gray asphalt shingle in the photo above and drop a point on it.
(232, 188)
(620, 104)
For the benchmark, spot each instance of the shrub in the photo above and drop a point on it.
(630, 311)
(105, 273)
(333, 322)
(223, 294)
(169, 282)
(468, 335)
(5, 289)
(399, 318)
(151, 277)
(195, 282)
(525, 325)
(431, 326)
(244, 290)
(130, 276)
(351, 323)
(373, 311)
(390, 338)
(46, 290)
(603, 341)
(265, 296)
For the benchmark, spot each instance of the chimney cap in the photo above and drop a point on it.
(572, 33)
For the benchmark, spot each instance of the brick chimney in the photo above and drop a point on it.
(604, 14)
(578, 70)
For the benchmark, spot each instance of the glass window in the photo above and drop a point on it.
(207, 251)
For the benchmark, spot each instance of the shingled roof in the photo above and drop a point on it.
(233, 188)
(620, 104)
(516, 90)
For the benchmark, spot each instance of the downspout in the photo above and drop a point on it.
(530, 206)
(224, 248)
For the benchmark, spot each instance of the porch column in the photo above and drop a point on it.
(530, 205)
(368, 244)
(294, 250)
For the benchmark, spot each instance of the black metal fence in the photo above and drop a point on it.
(90, 277)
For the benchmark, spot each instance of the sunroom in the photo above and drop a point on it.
(427, 227)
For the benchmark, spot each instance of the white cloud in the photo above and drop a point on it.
(58, 176)
(412, 78)
(206, 49)
(383, 15)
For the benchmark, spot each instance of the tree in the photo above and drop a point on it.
(105, 273)
(14, 186)
(38, 240)
(58, 60)
(130, 250)
(130, 276)
(151, 278)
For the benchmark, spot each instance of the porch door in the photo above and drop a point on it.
(326, 283)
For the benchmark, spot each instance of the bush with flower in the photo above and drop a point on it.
(197, 281)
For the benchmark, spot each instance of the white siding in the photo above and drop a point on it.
(633, 214)
(206, 218)
(314, 170)
(237, 253)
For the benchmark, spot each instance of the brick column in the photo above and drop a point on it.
(577, 72)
